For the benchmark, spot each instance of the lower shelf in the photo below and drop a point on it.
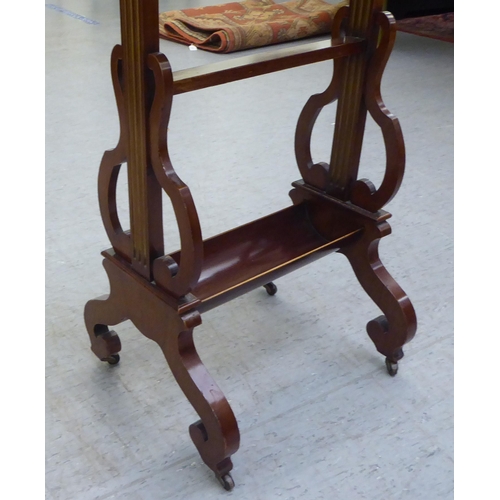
(251, 255)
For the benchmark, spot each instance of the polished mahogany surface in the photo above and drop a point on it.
(331, 210)
(256, 253)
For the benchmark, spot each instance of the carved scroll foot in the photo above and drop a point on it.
(199, 435)
(398, 324)
(105, 343)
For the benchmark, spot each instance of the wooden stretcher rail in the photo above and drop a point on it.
(260, 64)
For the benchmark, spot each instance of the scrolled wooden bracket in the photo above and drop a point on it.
(176, 278)
(111, 163)
(316, 174)
(363, 192)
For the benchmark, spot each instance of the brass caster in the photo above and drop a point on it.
(114, 359)
(271, 288)
(227, 481)
(392, 368)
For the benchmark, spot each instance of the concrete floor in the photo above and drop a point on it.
(318, 414)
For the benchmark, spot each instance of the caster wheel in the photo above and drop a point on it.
(227, 481)
(271, 288)
(114, 359)
(392, 368)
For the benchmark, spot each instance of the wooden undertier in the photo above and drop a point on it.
(256, 253)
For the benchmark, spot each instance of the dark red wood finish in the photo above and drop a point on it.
(164, 294)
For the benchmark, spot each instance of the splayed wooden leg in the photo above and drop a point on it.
(170, 324)
(397, 326)
(215, 435)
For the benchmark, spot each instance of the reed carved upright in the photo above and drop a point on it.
(165, 294)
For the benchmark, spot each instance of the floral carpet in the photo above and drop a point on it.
(438, 26)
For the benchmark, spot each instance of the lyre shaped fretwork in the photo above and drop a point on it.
(177, 278)
(356, 85)
(363, 192)
(316, 174)
(142, 80)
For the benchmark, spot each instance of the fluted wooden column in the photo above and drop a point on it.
(351, 111)
(139, 27)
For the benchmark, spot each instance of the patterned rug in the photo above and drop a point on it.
(439, 26)
(248, 24)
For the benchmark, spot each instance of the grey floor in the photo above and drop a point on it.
(319, 416)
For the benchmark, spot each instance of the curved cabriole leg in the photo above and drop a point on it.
(158, 317)
(110, 167)
(215, 435)
(398, 324)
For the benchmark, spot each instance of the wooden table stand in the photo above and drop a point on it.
(164, 294)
